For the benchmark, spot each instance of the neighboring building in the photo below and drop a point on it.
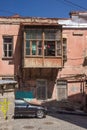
(47, 56)
(75, 68)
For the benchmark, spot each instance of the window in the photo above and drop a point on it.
(49, 49)
(7, 46)
(58, 48)
(33, 42)
(45, 42)
(52, 43)
(39, 48)
(27, 47)
(34, 47)
(64, 49)
(50, 34)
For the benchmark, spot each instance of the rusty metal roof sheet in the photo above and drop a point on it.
(4, 82)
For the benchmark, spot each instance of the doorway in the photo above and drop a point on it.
(61, 90)
(41, 89)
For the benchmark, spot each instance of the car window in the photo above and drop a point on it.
(21, 103)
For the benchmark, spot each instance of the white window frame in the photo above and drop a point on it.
(7, 49)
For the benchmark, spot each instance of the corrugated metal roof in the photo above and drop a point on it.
(72, 24)
(4, 82)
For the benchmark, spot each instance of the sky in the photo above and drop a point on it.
(41, 8)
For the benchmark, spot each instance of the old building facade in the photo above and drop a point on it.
(47, 56)
(31, 52)
(74, 71)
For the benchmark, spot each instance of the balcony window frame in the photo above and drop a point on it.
(64, 49)
(43, 39)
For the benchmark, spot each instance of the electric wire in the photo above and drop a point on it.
(71, 3)
(9, 12)
(74, 4)
(62, 1)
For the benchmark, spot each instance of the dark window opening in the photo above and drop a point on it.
(49, 48)
(39, 48)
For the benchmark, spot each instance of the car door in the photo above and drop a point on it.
(31, 110)
(20, 109)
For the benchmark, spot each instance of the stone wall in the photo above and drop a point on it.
(7, 104)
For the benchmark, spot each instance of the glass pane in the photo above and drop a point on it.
(39, 34)
(64, 49)
(59, 52)
(39, 48)
(7, 39)
(50, 34)
(9, 53)
(27, 44)
(58, 45)
(58, 34)
(5, 53)
(10, 47)
(31, 34)
(27, 51)
(34, 34)
(5, 46)
(28, 35)
(49, 48)
(33, 47)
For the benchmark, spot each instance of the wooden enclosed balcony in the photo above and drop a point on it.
(42, 47)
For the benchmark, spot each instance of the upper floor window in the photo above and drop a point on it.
(7, 46)
(45, 42)
(64, 49)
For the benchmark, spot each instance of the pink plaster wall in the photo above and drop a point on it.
(76, 50)
(7, 66)
(76, 47)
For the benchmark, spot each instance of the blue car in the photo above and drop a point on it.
(26, 109)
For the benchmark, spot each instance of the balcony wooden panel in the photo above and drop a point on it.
(52, 62)
(40, 62)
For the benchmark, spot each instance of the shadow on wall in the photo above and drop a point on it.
(17, 56)
(33, 74)
(40, 73)
(85, 62)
